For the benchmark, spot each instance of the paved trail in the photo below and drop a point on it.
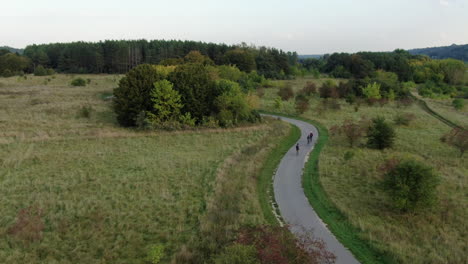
(293, 204)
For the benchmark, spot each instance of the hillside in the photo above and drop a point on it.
(20, 51)
(459, 52)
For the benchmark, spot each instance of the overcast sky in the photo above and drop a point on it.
(305, 26)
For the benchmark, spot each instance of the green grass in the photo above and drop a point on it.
(107, 194)
(265, 185)
(358, 210)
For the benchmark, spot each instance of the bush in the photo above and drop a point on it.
(78, 82)
(40, 71)
(85, 111)
(133, 95)
(155, 253)
(380, 134)
(457, 138)
(458, 103)
(411, 185)
(286, 93)
(328, 90)
(237, 254)
(309, 89)
(302, 104)
(404, 119)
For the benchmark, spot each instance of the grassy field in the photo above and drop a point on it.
(353, 186)
(445, 108)
(77, 188)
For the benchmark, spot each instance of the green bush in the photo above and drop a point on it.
(411, 185)
(380, 134)
(155, 253)
(458, 103)
(133, 95)
(78, 82)
(237, 254)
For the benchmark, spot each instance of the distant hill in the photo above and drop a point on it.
(20, 51)
(459, 52)
(309, 56)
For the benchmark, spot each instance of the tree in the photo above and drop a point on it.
(133, 95)
(411, 185)
(166, 101)
(242, 58)
(196, 87)
(380, 134)
(372, 91)
(457, 138)
(195, 56)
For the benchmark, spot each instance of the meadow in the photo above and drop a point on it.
(77, 188)
(353, 184)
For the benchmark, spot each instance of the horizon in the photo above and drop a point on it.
(307, 27)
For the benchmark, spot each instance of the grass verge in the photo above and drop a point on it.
(265, 185)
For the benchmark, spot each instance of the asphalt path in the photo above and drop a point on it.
(293, 204)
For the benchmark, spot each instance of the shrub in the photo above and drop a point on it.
(328, 90)
(133, 94)
(40, 71)
(457, 138)
(351, 130)
(302, 104)
(380, 134)
(286, 93)
(411, 185)
(278, 103)
(78, 82)
(372, 91)
(155, 253)
(237, 254)
(458, 103)
(277, 245)
(309, 89)
(85, 111)
(404, 119)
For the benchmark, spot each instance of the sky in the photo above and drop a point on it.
(304, 26)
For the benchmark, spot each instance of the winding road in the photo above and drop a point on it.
(292, 202)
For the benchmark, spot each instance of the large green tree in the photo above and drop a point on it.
(133, 95)
(196, 87)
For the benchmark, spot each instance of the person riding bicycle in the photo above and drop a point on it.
(297, 148)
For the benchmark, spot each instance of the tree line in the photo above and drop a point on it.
(119, 56)
(394, 71)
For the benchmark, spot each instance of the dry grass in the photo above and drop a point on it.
(106, 194)
(436, 236)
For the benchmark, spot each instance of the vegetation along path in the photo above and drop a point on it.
(292, 202)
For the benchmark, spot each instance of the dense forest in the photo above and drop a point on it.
(113, 56)
(459, 52)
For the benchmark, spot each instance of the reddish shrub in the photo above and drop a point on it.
(276, 245)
